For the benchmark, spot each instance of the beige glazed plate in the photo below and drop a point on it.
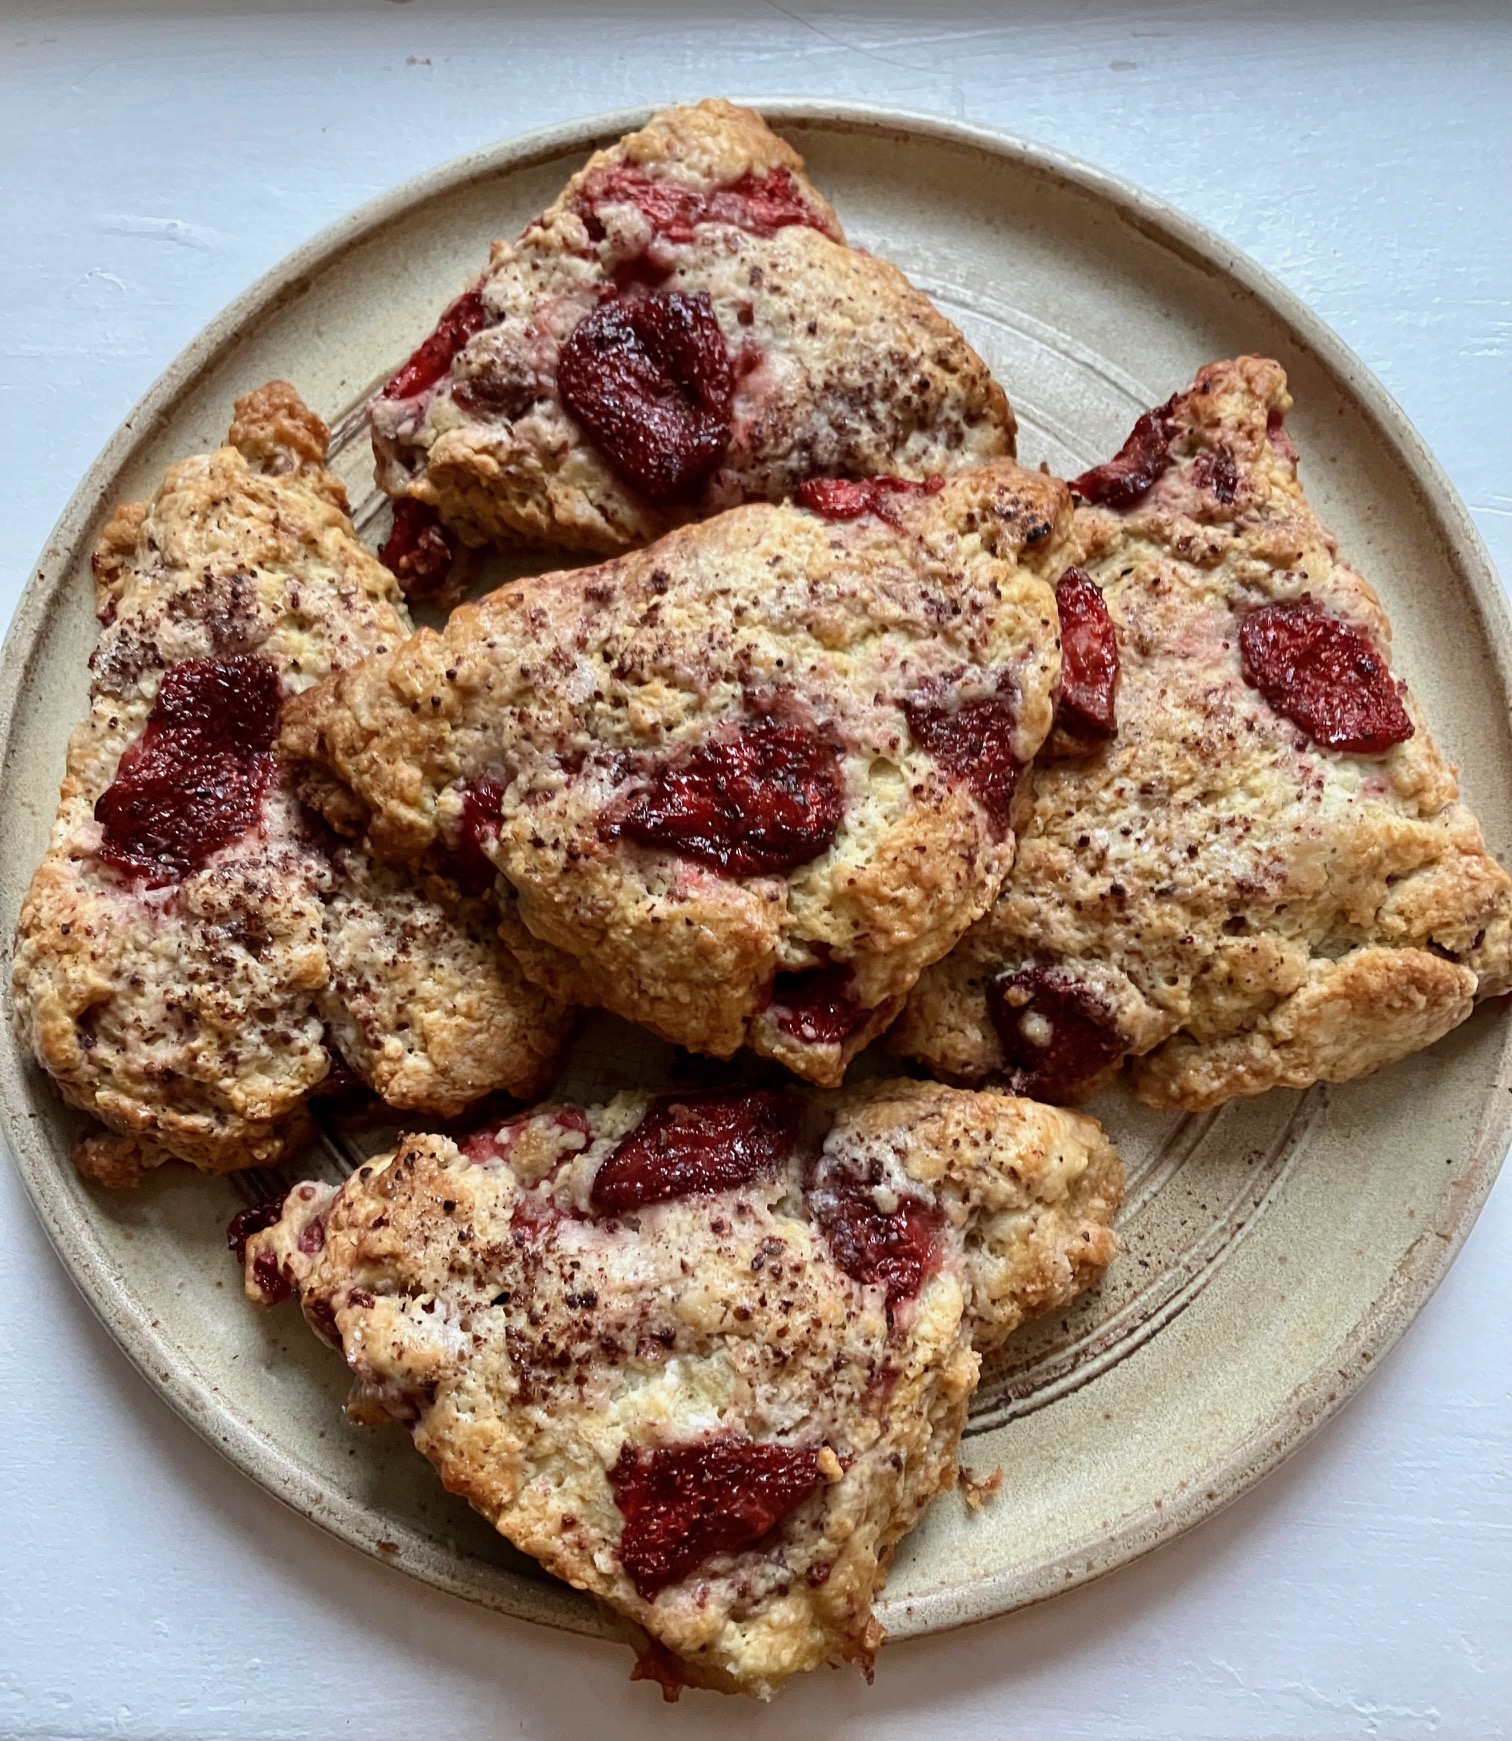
(1273, 1250)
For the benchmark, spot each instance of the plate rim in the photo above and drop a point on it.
(197, 1401)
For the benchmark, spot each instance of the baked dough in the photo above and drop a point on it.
(1214, 892)
(592, 731)
(832, 364)
(420, 998)
(192, 1013)
(795, 1350)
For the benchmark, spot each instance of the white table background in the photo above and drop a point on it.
(152, 164)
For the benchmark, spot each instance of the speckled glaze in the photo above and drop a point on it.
(1273, 1250)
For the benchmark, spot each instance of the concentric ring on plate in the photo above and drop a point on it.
(1293, 1273)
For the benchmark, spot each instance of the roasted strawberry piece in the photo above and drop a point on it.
(417, 551)
(695, 1144)
(1325, 675)
(1057, 1036)
(973, 742)
(194, 780)
(648, 377)
(1137, 466)
(431, 360)
(818, 1006)
(1084, 712)
(685, 1503)
(760, 801)
(850, 498)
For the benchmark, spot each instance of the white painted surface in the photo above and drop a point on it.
(151, 166)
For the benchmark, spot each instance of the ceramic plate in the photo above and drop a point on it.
(1273, 1250)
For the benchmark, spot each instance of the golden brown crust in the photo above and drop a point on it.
(1254, 910)
(844, 368)
(277, 433)
(189, 1018)
(116, 1162)
(527, 1341)
(565, 689)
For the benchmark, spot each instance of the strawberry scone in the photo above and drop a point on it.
(707, 1357)
(683, 330)
(193, 947)
(1247, 865)
(742, 786)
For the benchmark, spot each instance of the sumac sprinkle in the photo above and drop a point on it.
(973, 744)
(819, 1006)
(760, 203)
(648, 376)
(696, 1144)
(1089, 660)
(1324, 675)
(1056, 1034)
(762, 800)
(194, 780)
(430, 362)
(684, 1503)
(1215, 471)
(417, 551)
(850, 498)
(894, 1249)
(245, 1222)
(1134, 469)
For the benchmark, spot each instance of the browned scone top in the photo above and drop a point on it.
(190, 944)
(706, 1358)
(740, 787)
(1262, 879)
(683, 330)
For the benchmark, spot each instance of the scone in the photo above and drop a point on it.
(1247, 866)
(742, 786)
(683, 330)
(191, 947)
(707, 1357)
(420, 999)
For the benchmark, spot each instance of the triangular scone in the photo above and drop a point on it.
(1264, 878)
(707, 1357)
(685, 329)
(192, 944)
(742, 786)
